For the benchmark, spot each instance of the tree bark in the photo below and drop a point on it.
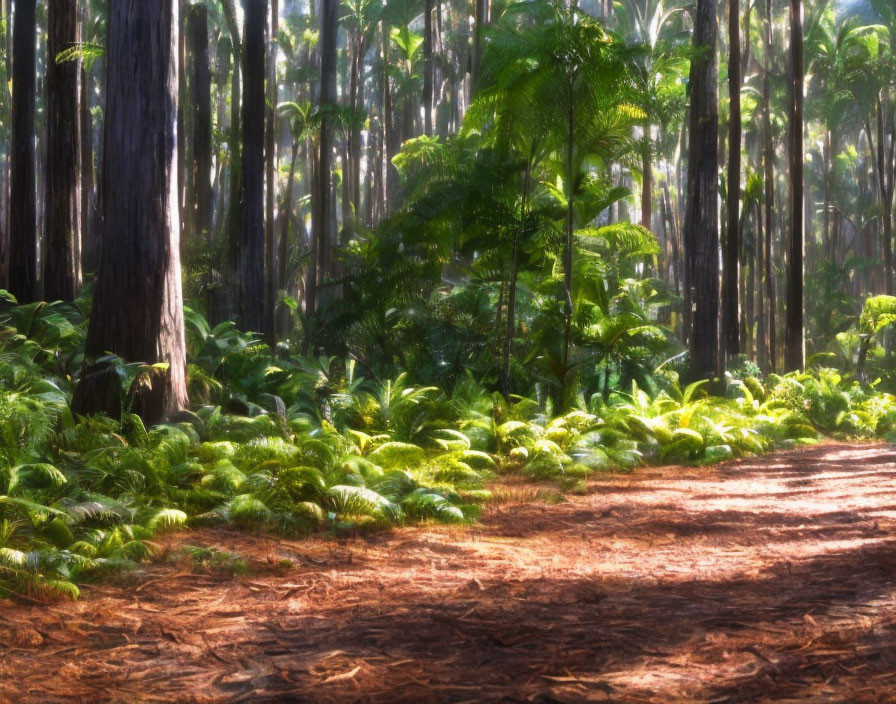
(200, 204)
(769, 187)
(137, 307)
(250, 290)
(646, 182)
(270, 155)
(793, 330)
(322, 220)
(283, 257)
(234, 208)
(731, 265)
(62, 215)
(88, 250)
(701, 231)
(23, 185)
(427, 67)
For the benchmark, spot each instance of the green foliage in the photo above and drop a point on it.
(296, 444)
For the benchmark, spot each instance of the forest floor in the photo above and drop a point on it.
(762, 580)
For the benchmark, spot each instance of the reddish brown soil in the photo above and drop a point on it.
(765, 580)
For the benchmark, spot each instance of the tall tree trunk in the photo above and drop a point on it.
(200, 203)
(137, 308)
(568, 309)
(322, 220)
(356, 101)
(480, 19)
(63, 199)
(182, 180)
(731, 265)
(759, 265)
(701, 230)
(427, 67)
(646, 181)
(23, 185)
(271, 283)
(283, 257)
(769, 185)
(251, 255)
(234, 219)
(510, 329)
(794, 342)
(87, 248)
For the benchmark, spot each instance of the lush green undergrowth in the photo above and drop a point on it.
(295, 444)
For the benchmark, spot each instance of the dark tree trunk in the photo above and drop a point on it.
(646, 182)
(63, 199)
(510, 330)
(23, 185)
(769, 185)
(356, 98)
(731, 265)
(427, 67)
(87, 248)
(270, 155)
(322, 220)
(137, 308)
(182, 105)
(283, 257)
(793, 330)
(701, 230)
(480, 19)
(251, 254)
(200, 204)
(234, 208)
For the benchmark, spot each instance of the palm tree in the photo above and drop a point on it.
(554, 60)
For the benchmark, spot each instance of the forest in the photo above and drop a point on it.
(590, 304)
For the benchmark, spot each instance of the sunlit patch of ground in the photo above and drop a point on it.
(766, 580)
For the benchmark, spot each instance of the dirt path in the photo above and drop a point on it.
(764, 580)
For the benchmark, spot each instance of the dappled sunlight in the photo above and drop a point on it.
(681, 584)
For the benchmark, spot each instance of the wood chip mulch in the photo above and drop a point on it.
(763, 580)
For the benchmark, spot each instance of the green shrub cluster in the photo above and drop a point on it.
(299, 444)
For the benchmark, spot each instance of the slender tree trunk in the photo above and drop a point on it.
(234, 218)
(283, 257)
(200, 203)
(272, 285)
(646, 182)
(251, 255)
(137, 308)
(510, 329)
(62, 214)
(794, 342)
(427, 67)
(183, 182)
(568, 246)
(701, 231)
(323, 222)
(88, 250)
(731, 265)
(769, 185)
(23, 185)
(759, 265)
(356, 101)
(480, 19)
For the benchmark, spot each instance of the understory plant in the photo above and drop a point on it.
(296, 444)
